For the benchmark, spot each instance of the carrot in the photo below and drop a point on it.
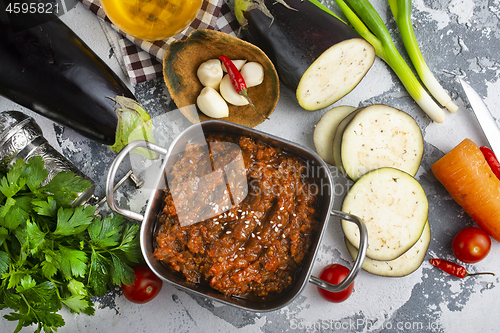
(470, 181)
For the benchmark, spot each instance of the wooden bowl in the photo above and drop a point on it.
(183, 58)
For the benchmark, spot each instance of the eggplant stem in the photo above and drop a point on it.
(286, 5)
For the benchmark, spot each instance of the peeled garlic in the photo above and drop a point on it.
(253, 73)
(210, 73)
(212, 104)
(229, 93)
(238, 63)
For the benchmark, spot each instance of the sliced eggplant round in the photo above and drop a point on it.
(403, 265)
(316, 55)
(324, 131)
(381, 136)
(334, 73)
(394, 207)
(337, 140)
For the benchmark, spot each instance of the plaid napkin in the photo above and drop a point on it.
(143, 60)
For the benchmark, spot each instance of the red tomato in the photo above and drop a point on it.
(146, 285)
(335, 274)
(471, 245)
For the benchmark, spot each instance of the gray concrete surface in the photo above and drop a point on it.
(459, 39)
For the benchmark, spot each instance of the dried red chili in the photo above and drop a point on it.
(238, 81)
(492, 160)
(453, 268)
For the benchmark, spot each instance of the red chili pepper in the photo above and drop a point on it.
(454, 269)
(492, 160)
(238, 81)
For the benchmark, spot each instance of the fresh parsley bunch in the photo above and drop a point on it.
(53, 254)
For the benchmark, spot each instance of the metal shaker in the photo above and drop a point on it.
(21, 137)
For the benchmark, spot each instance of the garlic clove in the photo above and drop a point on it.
(253, 73)
(210, 73)
(211, 103)
(229, 93)
(238, 63)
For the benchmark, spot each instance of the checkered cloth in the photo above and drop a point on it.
(143, 60)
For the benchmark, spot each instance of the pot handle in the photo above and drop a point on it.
(363, 242)
(110, 188)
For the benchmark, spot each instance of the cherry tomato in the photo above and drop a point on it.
(146, 285)
(471, 245)
(335, 274)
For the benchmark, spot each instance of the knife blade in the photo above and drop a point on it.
(484, 117)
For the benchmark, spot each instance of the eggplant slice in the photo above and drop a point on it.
(317, 56)
(183, 58)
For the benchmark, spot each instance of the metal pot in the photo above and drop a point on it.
(155, 204)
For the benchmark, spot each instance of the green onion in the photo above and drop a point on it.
(401, 10)
(371, 27)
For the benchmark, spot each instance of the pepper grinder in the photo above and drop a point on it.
(21, 137)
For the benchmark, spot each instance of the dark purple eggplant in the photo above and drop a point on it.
(316, 55)
(50, 70)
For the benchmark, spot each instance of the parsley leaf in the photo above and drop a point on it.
(55, 255)
(73, 221)
(45, 207)
(35, 236)
(49, 266)
(12, 183)
(4, 262)
(34, 173)
(65, 187)
(4, 234)
(76, 303)
(72, 262)
(120, 272)
(106, 233)
(99, 275)
(129, 244)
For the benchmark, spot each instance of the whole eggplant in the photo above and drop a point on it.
(295, 34)
(50, 70)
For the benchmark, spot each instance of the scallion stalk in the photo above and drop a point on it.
(371, 27)
(401, 10)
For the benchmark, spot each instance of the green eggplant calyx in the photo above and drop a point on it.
(134, 123)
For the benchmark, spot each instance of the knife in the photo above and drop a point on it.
(483, 115)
